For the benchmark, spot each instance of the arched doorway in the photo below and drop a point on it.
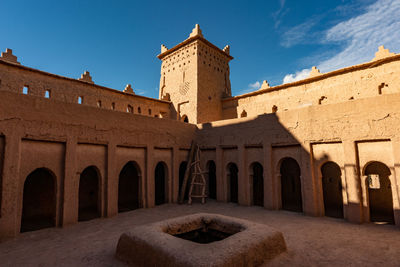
(89, 199)
(291, 185)
(182, 170)
(258, 184)
(39, 201)
(129, 187)
(233, 182)
(212, 180)
(332, 189)
(160, 189)
(381, 199)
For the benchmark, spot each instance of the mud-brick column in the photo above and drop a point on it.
(221, 191)
(308, 190)
(111, 183)
(71, 184)
(269, 183)
(9, 226)
(243, 178)
(353, 209)
(148, 179)
(396, 186)
(175, 175)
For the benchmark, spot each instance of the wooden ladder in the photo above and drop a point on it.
(197, 180)
(194, 165)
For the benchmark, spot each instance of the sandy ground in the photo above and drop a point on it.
(311, 241)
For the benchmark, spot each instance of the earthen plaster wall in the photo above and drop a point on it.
(65, 138)
(14, 78)
(351, 134)
(360, 81)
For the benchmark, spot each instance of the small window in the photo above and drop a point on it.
(244, 114)
(149, 111)
(139, 110)
(80, 99)
(113, 106)
(47, 94)
(25, 90)
(99, 104)
(129, 109)
(274, 109)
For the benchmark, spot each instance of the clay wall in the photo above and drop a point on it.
(366, 80)
(66, 138)
(351, 134)
(14, 78)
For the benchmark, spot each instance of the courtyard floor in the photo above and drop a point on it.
(311, 241)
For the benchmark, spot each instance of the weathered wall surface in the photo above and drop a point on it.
(366, 80)
(66, 138)
(14, 78)
(351, 134)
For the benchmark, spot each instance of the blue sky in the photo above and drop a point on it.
(275, 40)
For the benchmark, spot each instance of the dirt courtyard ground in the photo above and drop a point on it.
(311, 241)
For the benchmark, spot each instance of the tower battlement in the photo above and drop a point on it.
(195, 77)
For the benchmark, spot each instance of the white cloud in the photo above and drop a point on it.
(299, 75)
(255, 85)
(360, 36)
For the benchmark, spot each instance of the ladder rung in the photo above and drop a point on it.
(199, 196)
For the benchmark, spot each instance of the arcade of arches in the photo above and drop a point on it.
(39, 207)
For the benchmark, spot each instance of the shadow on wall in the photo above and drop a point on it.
(290, 180)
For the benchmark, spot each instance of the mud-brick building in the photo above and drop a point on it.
(72, 150)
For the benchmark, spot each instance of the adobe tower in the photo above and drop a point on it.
(195, 77)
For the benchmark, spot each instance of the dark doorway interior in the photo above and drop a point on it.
(291, 185)
(129, 188)
(258, 184)
(160, 184)
(39, 201)
(332, 189)
(212, 180)
(89, 194)
(380, 200)
(233, 182)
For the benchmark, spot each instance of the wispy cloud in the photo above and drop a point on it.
(298, 33)
(280, 13)
(360, 36)
(357, 38)
(299, 75)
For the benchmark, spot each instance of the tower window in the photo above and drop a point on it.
(25, 90)
(47, 94)
(80, 99)
(139, 110)
(149, 111)
(113, 106)
(99, 104)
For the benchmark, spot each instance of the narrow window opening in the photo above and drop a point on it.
(47, 94)
(80, 99)
(274, 109)
(99, 104)
(25, 90)
(149, 111)
(244, 114)
(113, 106)
(129, 109)
(139, 110)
